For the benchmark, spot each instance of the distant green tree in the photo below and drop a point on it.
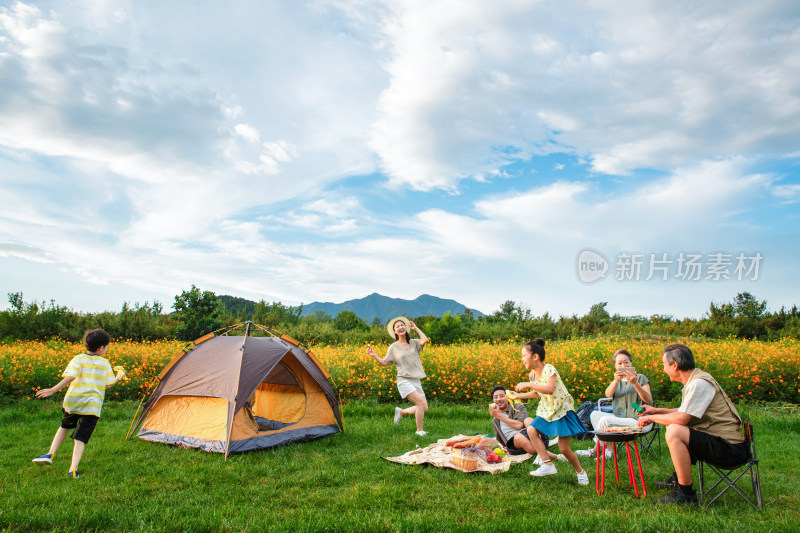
(197, 313)
(141, 322)
(347, 320)
(507, 311)
(276, 314)
(467, 317)
(542, 326)
(749, 314)
(241, 308)
(424, 322)
(745, 305)
(31, 321)
(447, 329)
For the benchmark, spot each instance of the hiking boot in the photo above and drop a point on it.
(545, 470)
(669, 483)
(398, 414)
(677, 496)
(46, 459)
(73, 474)
(583, 478)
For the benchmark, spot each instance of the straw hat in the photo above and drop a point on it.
(390, 325)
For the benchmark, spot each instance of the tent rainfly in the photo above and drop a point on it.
(236, 393)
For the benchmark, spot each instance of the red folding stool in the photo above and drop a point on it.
(600, 452)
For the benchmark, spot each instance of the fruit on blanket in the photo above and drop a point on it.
(492, 457)
(499, 451)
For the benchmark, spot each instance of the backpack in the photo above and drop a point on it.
(584, 412)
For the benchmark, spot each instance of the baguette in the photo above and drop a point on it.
(469, 442)
(456, 440)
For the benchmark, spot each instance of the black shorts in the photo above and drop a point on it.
(82, 424)
(513, 450)
(716, 450)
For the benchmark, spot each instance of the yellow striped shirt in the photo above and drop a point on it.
(92, 374)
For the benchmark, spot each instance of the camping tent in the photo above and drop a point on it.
(235, 393)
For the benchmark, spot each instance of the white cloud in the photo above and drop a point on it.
(790, 193)
(25, 252)
(640, 86)
(247, 132)
(108, 112)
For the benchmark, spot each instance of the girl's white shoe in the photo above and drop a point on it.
(545, 470)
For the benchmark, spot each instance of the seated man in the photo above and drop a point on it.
(706, 426)
(511, 424)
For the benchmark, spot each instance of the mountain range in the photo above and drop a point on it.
(385, 308)
(369, 307)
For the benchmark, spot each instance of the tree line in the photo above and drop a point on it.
(195, 313)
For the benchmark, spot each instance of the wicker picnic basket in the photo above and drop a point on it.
(464, 459)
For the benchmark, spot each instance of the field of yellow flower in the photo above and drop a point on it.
(462, 373)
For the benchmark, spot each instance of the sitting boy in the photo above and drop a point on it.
(512, 423)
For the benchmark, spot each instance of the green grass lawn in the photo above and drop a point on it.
(340, 483)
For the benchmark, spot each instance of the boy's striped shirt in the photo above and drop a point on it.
(92, 374)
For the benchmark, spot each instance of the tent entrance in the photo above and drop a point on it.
(279, 400)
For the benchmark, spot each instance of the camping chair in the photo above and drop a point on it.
(649, 440)
(725, 474)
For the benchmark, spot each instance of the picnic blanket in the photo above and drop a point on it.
(437, 454)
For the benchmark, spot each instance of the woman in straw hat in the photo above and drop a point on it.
(404, 353)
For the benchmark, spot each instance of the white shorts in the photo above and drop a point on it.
(601, 420)
(406, 386)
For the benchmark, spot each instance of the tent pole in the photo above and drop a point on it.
(128, 434)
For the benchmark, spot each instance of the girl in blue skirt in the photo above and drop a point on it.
(556, 412)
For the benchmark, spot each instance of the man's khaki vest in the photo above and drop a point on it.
(721, 418)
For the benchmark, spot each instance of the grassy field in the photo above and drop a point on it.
(340, 483)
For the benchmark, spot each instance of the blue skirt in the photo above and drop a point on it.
(567, 425)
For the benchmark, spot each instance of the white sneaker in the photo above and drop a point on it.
(545, 470)
(561, 457)
(583, 478)
(609, 454)
(398, 414)
(422, 433)
(585, 453)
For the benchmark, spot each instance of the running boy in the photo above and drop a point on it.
(88, 375)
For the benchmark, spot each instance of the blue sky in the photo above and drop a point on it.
(326, 150)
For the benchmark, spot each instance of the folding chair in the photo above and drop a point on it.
(726, 474)
(649, 440)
